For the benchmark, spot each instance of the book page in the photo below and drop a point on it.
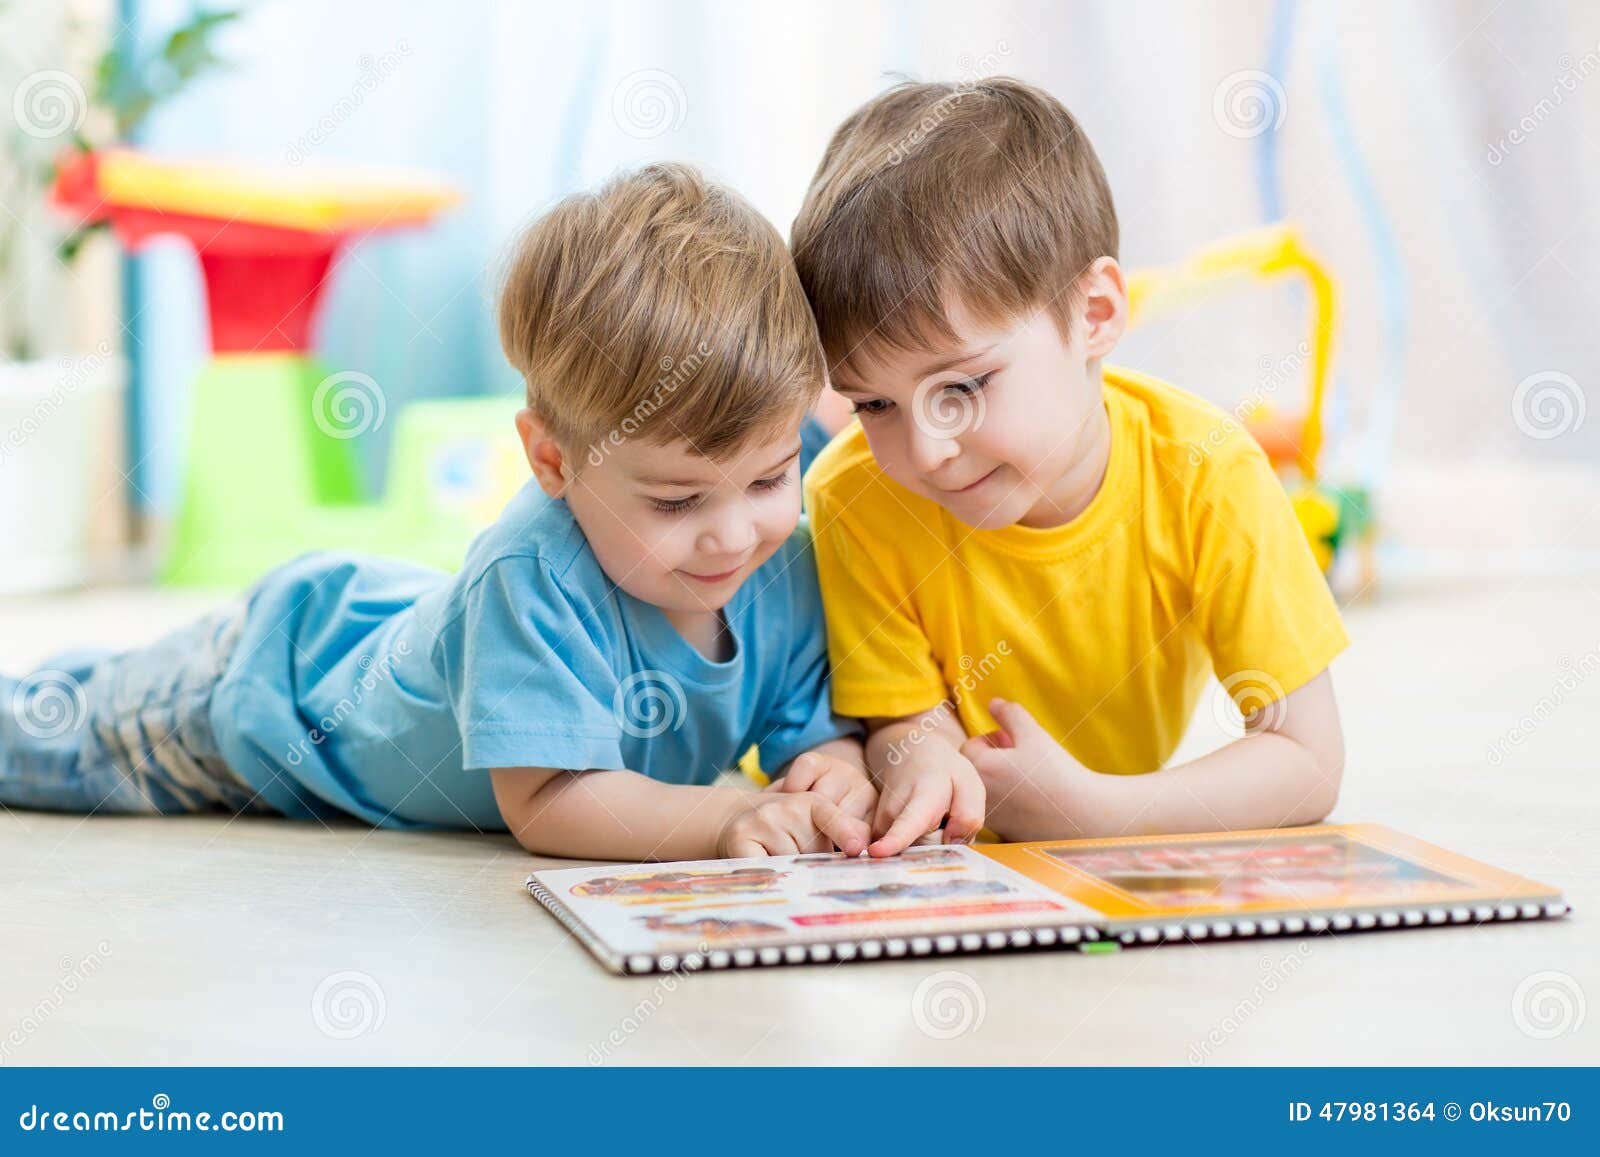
(1327, 868)
(750, 903)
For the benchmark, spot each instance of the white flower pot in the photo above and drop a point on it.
(58, 429)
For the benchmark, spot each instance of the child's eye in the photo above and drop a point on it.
(775, 482)
(970, 385)
(871, 406)
(675, 505)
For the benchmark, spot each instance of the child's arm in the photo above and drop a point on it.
(923, 780)
(622, 815)
(1285, 771)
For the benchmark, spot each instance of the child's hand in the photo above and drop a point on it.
(920, 792)
(788, 823)
(1035, 788)
(846, 784)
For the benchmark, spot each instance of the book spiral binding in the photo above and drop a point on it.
(946, 944)
(1368, 920)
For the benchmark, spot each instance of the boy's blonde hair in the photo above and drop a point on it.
(660, 307)
(988, 194)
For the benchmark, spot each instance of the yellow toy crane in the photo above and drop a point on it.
(1330, 516)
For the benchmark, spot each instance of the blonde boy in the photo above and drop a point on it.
(639, 615)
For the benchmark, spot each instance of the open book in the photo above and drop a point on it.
(643, 918)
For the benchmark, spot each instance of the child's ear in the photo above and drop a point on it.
(1105, 307)
(545, 456)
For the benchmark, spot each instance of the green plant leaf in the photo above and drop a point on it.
(131, 88)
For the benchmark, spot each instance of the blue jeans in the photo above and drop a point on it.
(124, 733)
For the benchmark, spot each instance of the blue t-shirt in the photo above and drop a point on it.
(385, 690)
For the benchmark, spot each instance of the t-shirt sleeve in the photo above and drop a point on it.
(1268, 618)
(883, 663)
(528, 683)
(803, 715)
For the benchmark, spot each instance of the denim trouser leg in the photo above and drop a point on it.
(124, 733)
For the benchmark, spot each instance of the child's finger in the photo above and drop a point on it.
(849, 834)
(816, 842)
(836, 783)
(919, 816)
(744, 847)
(977, 745)
(1017, 723)
(803, 772)
(889, 806)
(779, 842)
(860, 801)
(987, 740)
(966, 809)
(981, 755)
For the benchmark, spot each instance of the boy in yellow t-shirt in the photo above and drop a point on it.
(1032, 562)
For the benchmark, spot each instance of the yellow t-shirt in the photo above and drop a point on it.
(1188, 561)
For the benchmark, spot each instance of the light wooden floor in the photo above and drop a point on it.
(200, 940)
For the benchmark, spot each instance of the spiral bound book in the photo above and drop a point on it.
(645, 918)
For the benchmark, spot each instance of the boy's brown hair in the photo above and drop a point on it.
(661, 306)
(988, 194)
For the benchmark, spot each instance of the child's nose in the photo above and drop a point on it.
(733, 533)
(930, 451)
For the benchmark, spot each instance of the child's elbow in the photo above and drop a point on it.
(527, 837)
(1326, 773)
(1318, 806)
(521, 796)
(525, 829)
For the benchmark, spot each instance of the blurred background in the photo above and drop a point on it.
(1439, 163)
